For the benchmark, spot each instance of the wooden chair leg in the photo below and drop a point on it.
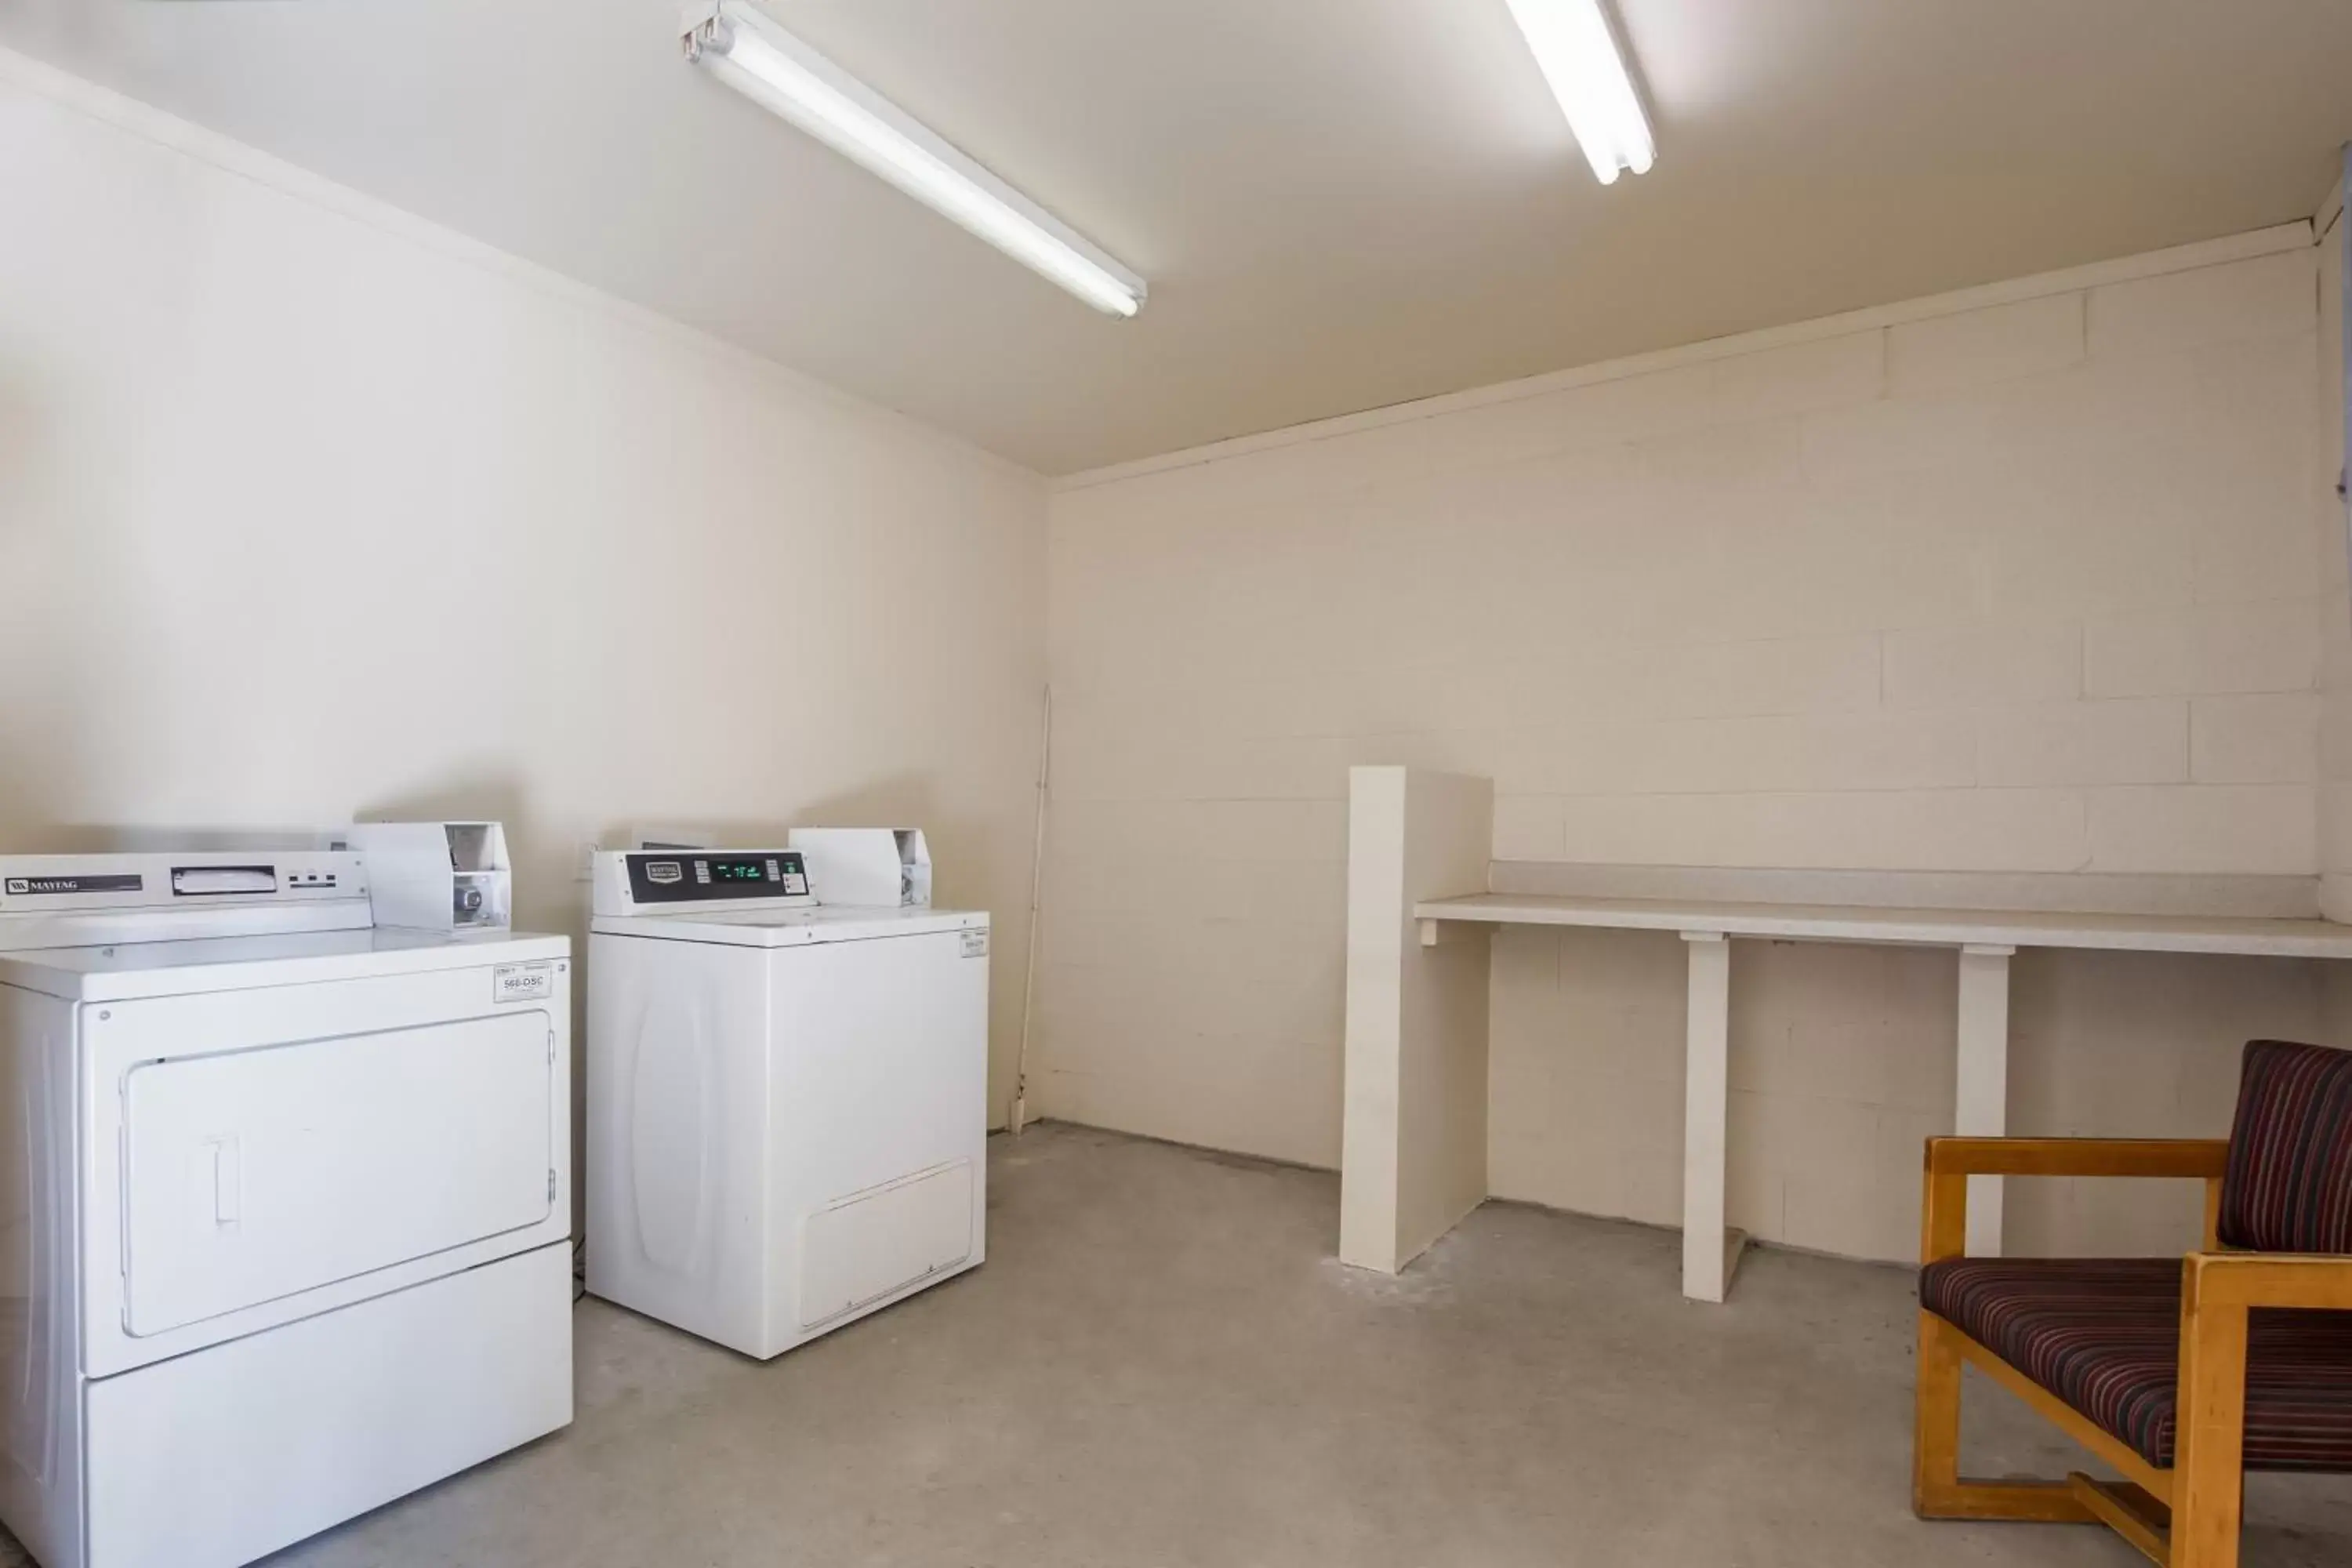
(1935, 1437)
(1937, 1490)
(2130, 1513)
(2209, 1488)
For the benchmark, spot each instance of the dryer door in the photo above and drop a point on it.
(256, 1156)
(255, 1175)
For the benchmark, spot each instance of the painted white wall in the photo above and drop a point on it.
(2335, 578)
(2335, 611)
(2019, 582)
(309, 510)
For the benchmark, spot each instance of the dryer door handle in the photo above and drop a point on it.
(228, 1180)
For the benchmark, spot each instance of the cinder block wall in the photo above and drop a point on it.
(2037, 586)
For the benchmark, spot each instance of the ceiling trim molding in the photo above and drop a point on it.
(231, 156)
(2278, 239)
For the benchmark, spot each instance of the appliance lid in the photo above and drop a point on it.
(791, 927)
(128, 970)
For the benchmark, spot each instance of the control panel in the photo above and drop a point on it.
(714, 875)
(54, 882)
(86, 901)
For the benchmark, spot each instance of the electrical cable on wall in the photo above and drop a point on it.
(1020, 1113)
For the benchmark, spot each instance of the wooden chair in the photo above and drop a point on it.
(2180, 1374)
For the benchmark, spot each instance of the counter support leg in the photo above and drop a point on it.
(1982, 1103)
(1710, 1251)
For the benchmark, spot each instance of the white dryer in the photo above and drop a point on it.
(284, 1232)
(787, 1101)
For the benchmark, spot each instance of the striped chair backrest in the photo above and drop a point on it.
(2289, 1187)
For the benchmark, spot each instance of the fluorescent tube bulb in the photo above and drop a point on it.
(750, 54)
(1571, 42)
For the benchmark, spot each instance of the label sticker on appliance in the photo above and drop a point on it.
(27, 887)
(975, 944)
(522, 982)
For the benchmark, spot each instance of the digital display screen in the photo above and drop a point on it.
(686, 878)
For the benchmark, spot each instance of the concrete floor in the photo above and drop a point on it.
(1161, 1364)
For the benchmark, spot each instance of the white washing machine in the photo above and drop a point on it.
(284, 1227)
(787, 1101)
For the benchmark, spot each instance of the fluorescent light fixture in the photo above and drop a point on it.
(743, 48)
(1572, 43)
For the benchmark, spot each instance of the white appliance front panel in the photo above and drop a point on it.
(880, 1073)
(863, 1249)
(213, 1459)
(677, 1146)
(253, 1174)
(432, 1123)
(742, 1101)
(41, 1389)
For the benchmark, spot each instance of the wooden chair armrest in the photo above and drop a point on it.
(1944, 1206)
(2266, 1279)
(2205, 1159)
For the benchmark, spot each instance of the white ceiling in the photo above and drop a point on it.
(1340, 203)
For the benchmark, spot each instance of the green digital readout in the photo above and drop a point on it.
(738, 871)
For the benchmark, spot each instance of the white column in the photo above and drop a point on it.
(1413, 1143)
(1981, 1104)
(1709, 1250)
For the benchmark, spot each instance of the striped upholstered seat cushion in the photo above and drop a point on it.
(2289, 1187)
(2104, 1336)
